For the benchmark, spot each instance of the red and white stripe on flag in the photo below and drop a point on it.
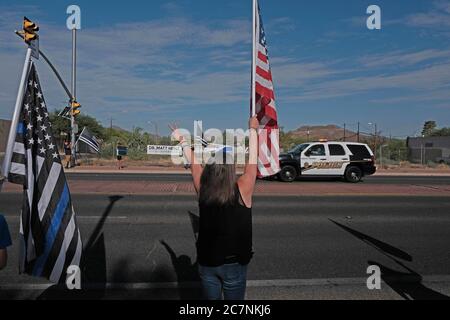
(265, 107)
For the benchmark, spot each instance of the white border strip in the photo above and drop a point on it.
(250, 283)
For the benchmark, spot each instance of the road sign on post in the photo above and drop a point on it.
(121, 151)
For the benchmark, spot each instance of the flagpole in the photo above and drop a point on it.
(74, 95)
(80, 136)
(254, 60)
(16, 114)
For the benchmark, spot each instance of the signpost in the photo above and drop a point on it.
(121, 151)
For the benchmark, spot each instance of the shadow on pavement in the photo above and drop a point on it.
(195, 222)
(157, 283)
(381, 246)
(407, 284)
(93, 266)
(187, 272)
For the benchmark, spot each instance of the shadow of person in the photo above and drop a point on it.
(408, 284)
(150, 285)
(195, 222)
(92, 266)
(187, 274)
(384, 247)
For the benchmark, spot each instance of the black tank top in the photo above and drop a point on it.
(225, 233)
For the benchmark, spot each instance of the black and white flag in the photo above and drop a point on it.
(89, 139)
(50, 238)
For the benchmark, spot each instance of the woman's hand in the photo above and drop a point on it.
(175, 132)
(253, 123)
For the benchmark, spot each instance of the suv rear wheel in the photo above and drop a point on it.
(287, 174)
(353, 174)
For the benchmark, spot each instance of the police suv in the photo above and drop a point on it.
(349, 160)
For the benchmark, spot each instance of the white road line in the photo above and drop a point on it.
(99, 217)
(82, 217)
(250, 283)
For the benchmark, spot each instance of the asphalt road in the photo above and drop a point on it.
(176, 177)
(305, 247)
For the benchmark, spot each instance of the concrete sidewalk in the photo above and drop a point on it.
(181, 170)
(145, 187)
(431, 287)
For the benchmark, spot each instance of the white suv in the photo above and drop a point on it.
(349, 160)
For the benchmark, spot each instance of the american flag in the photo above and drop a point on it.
(265, 107)
(50, 238)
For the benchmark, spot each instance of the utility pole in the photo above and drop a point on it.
(155, 124)
(381, 154)
(358, 132)
(381, 157)
(421, 154)
(110, 136)
(376, 133)
(74, 94)
(374, 136)
(345, 132)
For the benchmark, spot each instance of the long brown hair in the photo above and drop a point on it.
(218, 182)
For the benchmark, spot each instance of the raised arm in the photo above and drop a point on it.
(248, 180)
(188, 152)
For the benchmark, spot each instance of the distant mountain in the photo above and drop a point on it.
(119, 128)
(329, 132)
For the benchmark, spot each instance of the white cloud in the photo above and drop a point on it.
(125, 69)
(179, 64)
(437, 17)
(280, 25)
(427, 81)
(404, 58)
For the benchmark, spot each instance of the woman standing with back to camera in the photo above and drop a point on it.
(224, 247)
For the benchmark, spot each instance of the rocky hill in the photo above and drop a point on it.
(329, 132)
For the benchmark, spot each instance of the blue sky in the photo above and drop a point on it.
(162, 61)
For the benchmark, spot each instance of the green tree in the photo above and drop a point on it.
(92, 124)
(136, 139)
(443, 132)
(428, 128)
(62, 125)
(59, 124)
(396, 150)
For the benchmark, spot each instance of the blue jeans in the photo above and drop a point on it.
(231, 278)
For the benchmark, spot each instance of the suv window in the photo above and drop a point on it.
(317, 150)
(360, 152)
(336, 150)
(299, 149)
